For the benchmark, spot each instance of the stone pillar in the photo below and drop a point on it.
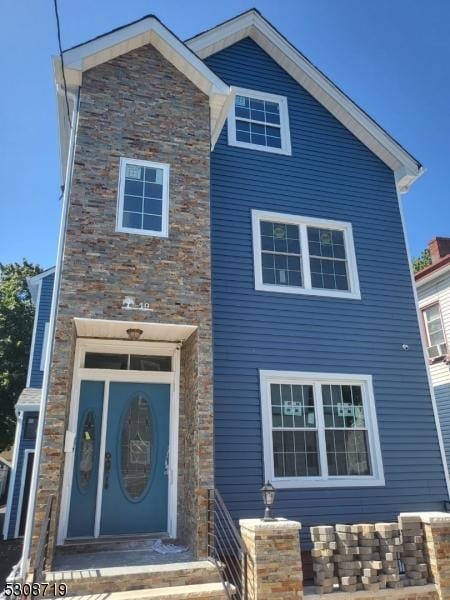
(274, 570)
(436, 528)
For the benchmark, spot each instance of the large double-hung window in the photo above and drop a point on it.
(319, 430)
(304, 255)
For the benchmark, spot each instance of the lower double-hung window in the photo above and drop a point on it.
(320, 430)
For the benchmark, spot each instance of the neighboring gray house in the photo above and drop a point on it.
(433, 289)
(27, 409)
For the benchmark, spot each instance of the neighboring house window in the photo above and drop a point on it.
(259, 121)
(320, 430)
(435, 331)
(304, 255)
(143, 200)
(44, 347)
(29, 427)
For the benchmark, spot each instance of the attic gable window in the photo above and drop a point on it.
(259, 121)
(143, 198)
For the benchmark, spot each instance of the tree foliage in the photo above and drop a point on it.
(16, 327)
(422, 261)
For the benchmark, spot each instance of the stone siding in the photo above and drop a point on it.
(135, 106)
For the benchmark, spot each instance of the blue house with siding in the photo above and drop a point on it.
(234, 299)
(27, 409)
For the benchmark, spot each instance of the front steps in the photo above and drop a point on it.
(123, 579)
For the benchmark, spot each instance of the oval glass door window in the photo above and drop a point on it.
(136, 447)
(86, 456)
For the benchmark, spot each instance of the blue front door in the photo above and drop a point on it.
(134, 488)
(135, 480)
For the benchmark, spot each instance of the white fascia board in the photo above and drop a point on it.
(433, 275)
(128, 38)
(252, 24)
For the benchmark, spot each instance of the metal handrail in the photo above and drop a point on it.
(226, 548)
(42, 546)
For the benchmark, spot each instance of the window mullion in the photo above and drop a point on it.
(321, 430)
(305, 256)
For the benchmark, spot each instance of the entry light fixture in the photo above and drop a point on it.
(134, 333)
(268, 496)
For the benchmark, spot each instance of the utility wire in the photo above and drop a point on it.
(55, 3)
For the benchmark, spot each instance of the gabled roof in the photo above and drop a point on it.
(432, 271)
(252, 24)
(33, 282)
(148, 30)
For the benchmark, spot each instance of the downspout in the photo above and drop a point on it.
(24, 564)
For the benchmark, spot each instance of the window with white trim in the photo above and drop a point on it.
(259, 121)
(320, 430)
(434, 328)
(304, 255)
(143, 198)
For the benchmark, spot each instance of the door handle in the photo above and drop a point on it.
(107, 470)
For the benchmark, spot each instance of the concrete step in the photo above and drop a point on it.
(139, 577)
(91, 545)
(201, 591)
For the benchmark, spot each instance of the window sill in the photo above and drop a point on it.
(332, 482)
(266, 287)
(249, 146)
(159, 234)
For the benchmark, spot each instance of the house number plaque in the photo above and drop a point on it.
(129, 303)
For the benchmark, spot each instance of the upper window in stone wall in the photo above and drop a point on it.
(259, 121)
(143, 199)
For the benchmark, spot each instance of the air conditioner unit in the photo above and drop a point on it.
(437, 350)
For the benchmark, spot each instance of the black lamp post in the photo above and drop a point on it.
(268, 495)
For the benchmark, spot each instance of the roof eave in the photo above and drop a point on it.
(252, 24)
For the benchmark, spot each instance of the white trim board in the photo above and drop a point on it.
(316, 380)
(111, 375)
(252, 24)
(13, 473)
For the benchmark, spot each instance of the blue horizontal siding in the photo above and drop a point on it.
(329, 175)
(43, 317)
(24, 445)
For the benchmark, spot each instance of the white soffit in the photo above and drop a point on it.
(117, 330)
(251, 24)
(148, 30)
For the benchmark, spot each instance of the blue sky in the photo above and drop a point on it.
(392, 57)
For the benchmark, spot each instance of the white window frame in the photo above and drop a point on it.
(317, 380)
(353, 293)
(165, 199)
(423, 310)
(284, 122)
(44, 347)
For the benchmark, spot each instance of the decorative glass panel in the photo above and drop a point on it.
(86, 455)
(136, 447)
(281, 258)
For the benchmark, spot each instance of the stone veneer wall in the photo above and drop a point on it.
(137, 106)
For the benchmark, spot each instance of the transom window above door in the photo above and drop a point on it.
(127, 362)
(304, 255)
(143, 198)
(259, 121)
(319, 430)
